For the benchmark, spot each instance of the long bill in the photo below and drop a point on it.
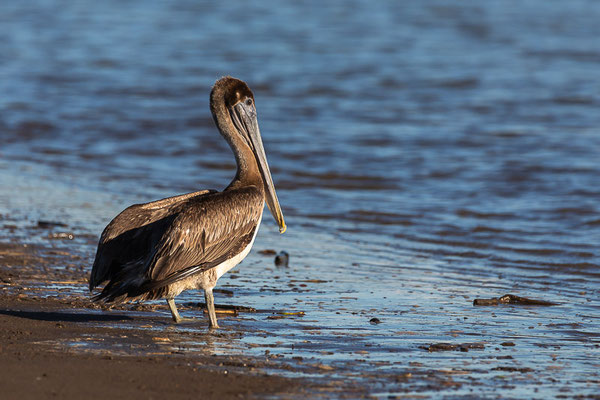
(249, 125)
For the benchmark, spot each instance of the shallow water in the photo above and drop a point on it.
(424, 154)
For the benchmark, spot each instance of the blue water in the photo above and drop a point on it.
(425, 153)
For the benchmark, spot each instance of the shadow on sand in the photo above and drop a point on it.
(57, 316)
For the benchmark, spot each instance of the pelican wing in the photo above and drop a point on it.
(205, 234)
(126, 239)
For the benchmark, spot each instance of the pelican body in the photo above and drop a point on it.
(159, 249)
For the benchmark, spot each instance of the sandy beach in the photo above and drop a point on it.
(43, 351)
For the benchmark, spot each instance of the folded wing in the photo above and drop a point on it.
(199, 234)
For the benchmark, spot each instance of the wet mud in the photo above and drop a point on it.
(57, 345)
(56, 350)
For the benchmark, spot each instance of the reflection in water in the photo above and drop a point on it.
(426, 154)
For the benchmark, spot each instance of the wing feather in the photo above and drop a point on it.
(126, 239)
(205, 236)
(194, 235)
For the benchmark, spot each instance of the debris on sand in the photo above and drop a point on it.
(267, 252)
(512, 299)
(513, 369)
(453, 347)
(61, 235)
(50, 224)
(286, 314)
(282, 259)
(226, 308)
(228, 293)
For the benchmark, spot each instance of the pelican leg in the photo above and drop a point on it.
(174, 313)
(210, 306)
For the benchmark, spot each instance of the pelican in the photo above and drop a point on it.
(159, 249)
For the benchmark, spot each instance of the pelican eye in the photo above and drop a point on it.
(249, 102)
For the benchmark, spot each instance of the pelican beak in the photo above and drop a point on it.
(244, 118)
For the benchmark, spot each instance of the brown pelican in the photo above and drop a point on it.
(159, 249)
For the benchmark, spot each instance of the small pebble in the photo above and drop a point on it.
(61, 235)
(282, 259)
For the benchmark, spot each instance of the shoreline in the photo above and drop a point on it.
(47, 349)
(311, 332)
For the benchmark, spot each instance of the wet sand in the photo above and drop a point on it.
(56, 343)
(43, 352)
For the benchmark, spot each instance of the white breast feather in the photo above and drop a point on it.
(222, 268)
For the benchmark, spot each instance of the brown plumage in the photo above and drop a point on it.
(158, 249)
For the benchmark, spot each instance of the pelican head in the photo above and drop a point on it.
(234, 112)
